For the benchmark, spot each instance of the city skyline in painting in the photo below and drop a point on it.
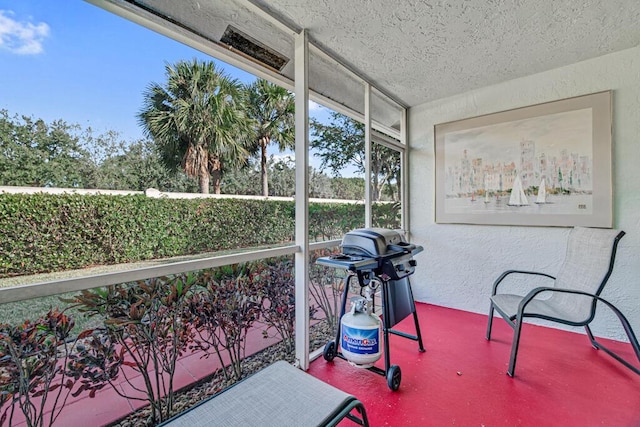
(557, 147)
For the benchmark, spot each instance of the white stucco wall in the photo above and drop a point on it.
(460, 262)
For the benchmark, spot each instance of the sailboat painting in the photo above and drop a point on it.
(517, 198)
(542, 165)
(542, 193)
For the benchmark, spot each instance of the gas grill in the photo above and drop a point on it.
(393, 255)
(378, 257)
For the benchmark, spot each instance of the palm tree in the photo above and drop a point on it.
(271, 110)
(197, 120)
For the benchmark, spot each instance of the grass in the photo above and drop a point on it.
(18, 312)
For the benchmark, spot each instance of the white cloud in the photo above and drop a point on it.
(22, 38)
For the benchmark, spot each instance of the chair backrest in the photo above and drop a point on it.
(587, 266)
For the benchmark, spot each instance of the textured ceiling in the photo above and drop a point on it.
(414, 50)
(424, 50)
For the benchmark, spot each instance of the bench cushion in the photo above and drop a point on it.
(279, 395)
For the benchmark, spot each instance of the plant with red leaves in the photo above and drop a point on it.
(326, 287)
(277, 286)
(94, 361)
(224, 308)
(150, 325)
(32, 375)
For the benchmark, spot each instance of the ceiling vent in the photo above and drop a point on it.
(249, 46)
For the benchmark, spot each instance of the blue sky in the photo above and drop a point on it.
(71, 60)
(74, 61)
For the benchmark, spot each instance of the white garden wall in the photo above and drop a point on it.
(460, 262)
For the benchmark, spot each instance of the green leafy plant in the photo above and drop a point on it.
(33, 378)
(387, 215)
(94, 361)
(325, 288)
(224, 309)
(277, 286)
(47, 232)
(332, 221)
(150, 324)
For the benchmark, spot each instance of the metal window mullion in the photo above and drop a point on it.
(386, 140)
(367, 156)
(302, 198)
(404, 175)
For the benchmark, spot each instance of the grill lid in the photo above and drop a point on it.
(373, 242)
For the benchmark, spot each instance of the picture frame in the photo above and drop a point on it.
(548, 164)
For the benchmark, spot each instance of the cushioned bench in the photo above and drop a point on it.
(279, 395)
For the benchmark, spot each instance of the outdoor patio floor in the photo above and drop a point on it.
(460, 380)
(560, 379)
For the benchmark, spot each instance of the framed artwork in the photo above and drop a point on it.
(543, 165)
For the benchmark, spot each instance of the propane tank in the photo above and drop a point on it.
(360, 334)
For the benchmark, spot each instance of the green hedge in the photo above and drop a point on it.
(46, 233)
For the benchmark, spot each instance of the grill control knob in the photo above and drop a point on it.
(412, 262)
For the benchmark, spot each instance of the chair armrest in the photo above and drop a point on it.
(633, 339)
(509, 272)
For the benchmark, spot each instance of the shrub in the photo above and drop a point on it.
(331, 220)
(46, 233)
(277, 286)
(326, 288)
(224, 308)
(33, 357)
(150, 323)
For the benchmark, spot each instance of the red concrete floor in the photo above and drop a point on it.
(460, 380)
(561, 380)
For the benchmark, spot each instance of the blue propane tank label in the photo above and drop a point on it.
(360, 341)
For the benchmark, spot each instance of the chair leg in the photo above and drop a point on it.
(630, 334)
(514, 347)
(490, 322)
(591, 337)
(363, 420)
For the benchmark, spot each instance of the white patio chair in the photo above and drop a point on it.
(573, 295)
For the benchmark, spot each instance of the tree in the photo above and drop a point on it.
(282, 175)
(246, 181)
(137, 166)
(347, 188)
(197, 121)
(34, 153)
(282, 180)
(271, 110)
(341, 143)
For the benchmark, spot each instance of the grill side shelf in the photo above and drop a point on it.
(349, 263)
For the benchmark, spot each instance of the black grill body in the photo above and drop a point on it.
(379, 256)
